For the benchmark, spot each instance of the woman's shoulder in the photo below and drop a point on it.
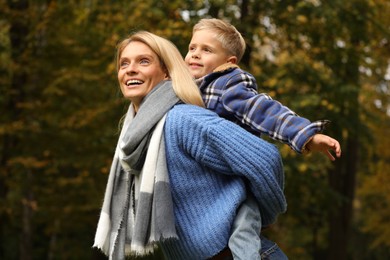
(187, 109)
(191, 113)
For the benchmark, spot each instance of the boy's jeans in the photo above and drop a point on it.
(245, 243)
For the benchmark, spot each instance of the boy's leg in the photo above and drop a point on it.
(244, 243)
(270, 250)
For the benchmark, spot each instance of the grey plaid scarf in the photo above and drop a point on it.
(137, 210)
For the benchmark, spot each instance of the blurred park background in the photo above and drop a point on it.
(60, 108)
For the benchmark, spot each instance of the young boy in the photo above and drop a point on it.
(215, 50)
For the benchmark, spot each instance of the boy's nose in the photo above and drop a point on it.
(195, 55)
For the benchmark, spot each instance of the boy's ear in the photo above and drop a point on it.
(232, 59)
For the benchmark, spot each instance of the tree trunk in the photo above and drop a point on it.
(342, 180)
(244, 31)
(19, 29)
(343, 177)
(3, 195)
(27, 212)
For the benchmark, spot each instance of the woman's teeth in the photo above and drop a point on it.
(133, 82)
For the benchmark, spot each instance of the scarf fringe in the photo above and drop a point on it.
(138, 250)
(101, 238)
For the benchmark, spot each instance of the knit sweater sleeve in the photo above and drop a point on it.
(228, 149)
(265, 115)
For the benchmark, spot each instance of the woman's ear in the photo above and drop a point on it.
(232, 59)
(166, 73)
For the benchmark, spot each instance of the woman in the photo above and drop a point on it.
(179, 171)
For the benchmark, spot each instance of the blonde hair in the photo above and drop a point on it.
(171, 61)
(230, 38)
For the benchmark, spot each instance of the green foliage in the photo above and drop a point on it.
(60, 108)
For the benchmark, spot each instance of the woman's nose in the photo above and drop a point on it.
(131, 68)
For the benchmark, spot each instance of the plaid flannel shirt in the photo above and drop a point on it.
(232, 94)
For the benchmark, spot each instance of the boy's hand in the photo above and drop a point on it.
(323, 143)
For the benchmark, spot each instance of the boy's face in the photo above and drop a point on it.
(205, 53)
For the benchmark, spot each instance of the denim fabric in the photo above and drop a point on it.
(271, 251)
(245, 243)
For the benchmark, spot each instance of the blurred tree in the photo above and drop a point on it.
(60, 108)
(373, 189)
(55, 136)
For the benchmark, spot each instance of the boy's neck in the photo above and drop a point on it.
(220, 68)
(225, 66)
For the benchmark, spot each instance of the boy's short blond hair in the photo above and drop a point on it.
(227, 34)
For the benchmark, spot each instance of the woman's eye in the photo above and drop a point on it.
(124, 64)
(144, 61)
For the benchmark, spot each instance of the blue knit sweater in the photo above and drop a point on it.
(211, 163)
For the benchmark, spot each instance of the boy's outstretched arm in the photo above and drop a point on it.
(323, 143)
